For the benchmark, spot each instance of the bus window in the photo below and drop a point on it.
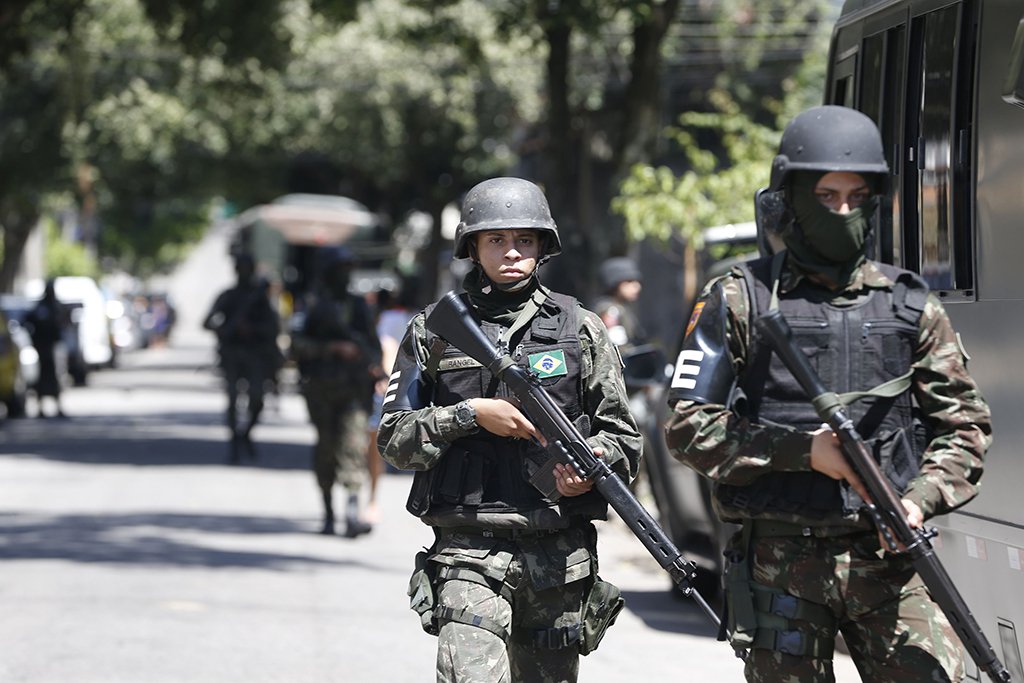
(1013, 88)
(943, 262)
(880, 96)
(842, 82)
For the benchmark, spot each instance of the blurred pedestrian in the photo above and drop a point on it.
(339, 362)
(246, 326)
(394, 311)
(47, 323)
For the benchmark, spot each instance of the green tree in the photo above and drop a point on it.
(97, 99)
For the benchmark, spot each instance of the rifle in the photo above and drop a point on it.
(452, 321)
(886, 509)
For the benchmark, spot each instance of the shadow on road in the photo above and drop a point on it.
(149, 539)
(166, 439)
(665, 611)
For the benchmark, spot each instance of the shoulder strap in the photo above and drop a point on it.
(439, 345)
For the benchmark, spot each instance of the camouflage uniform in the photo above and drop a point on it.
(522, 574)
(892, 628)
(338, 393)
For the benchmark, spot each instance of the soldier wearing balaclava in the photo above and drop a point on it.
(808, 563)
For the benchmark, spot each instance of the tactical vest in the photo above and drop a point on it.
(330, 320)
(487, 473)
(853, 348)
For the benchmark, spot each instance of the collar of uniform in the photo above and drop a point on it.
(868, 276)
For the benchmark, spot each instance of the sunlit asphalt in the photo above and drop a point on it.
(131, 551)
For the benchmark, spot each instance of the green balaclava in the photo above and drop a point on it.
(497, 304)
(824, 241)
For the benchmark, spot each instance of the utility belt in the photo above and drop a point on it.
(503, 533)
(762, 528)
(601, 604)
(762, 617)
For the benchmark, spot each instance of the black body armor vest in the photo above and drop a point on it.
(854, 347)
(487, 473)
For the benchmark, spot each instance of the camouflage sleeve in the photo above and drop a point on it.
(606, 403)
(710, 437)
(957, 415)
(414, 437)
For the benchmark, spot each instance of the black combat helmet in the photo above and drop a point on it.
(830, 138)
(245, 266)
(506, 204)
(615, 271)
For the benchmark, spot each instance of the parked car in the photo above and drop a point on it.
(683, 497)
(13, 385)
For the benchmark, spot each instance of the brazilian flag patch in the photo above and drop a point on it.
(548, 363)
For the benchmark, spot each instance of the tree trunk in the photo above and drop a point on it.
(18, 223)
(560, 179)
(641, 123)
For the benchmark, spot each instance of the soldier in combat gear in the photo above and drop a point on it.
(512, 571)
(339, 360)
(808, 562)
(621, 283)
(246, 326)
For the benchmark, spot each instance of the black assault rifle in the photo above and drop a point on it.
(886, 509)
(452, 321)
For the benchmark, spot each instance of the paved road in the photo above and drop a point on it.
(131, 552)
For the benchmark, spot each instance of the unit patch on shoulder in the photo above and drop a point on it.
(694, 317)
(548, 363)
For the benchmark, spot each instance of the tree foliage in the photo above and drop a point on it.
(146, 110)
(728, 150)
(716, 189)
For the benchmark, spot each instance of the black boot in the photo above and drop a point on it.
(328, 527)
(235, 449)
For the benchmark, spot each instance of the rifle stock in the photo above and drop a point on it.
(452, 321)
(886, 508)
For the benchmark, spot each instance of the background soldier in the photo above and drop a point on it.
(246, 326)
(339, 361)
(621, 283)
(513, 569)
(808, 562)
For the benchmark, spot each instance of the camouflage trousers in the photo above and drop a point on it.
(523, 587)
(893, 629)
(340, 451)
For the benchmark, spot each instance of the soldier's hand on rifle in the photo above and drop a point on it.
(500, 416)
(915, 518)
(827, 457)
(346, 350)
(569, 483)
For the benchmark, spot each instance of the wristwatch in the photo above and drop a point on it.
(465, 416)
